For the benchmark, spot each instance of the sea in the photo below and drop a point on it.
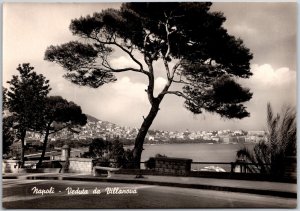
(197, 152)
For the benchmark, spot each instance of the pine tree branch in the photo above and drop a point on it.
(127, 52)
(177, 93)
(180, 81)
(170, 79)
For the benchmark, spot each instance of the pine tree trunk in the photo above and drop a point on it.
(139, 141)
(44, 148)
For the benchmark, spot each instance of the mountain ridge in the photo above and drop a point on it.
(92, 118)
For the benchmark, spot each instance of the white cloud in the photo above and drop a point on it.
(122, 62)
(241, 29)
(127, 89)
(266, 75)
(125, 102)
(159, 82)
(277, 86)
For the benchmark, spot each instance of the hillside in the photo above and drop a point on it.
(91, 118)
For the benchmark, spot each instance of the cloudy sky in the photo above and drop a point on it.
(268, 29)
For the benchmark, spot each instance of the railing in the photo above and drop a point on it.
(211, 166)
(233, 167)
(126, 164)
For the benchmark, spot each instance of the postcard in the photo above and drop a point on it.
(146, 105)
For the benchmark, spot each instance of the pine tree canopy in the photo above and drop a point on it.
(195, 49)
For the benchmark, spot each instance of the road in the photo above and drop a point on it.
(20, 194)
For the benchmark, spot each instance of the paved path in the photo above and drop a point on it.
(288, 190)
(18, 193)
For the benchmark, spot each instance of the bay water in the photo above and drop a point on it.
(197, 152)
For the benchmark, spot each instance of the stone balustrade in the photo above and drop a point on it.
(173, 166)
(10, 166)
(80, 165)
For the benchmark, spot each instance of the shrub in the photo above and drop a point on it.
(280, 143)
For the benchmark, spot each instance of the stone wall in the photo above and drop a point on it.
(173, 166)
(80, 165)
(10, 166)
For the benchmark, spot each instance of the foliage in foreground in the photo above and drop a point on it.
(26, 99)
(59, 114)
(109, 153)
(30, 109)
(280, 143)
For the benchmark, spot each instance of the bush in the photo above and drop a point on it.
(150, 164)
(109, 154)
(280, 144)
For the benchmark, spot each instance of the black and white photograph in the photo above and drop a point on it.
(149, 105)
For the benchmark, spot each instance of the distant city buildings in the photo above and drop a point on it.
(107, 130)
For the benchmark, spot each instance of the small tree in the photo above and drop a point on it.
(60, 114)
(117, 154)
(7, 134)
(194, 50)
(7, 137)
(280, 143)
(26, 99)
(106, 151)
(99, 148)
(4, 98)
